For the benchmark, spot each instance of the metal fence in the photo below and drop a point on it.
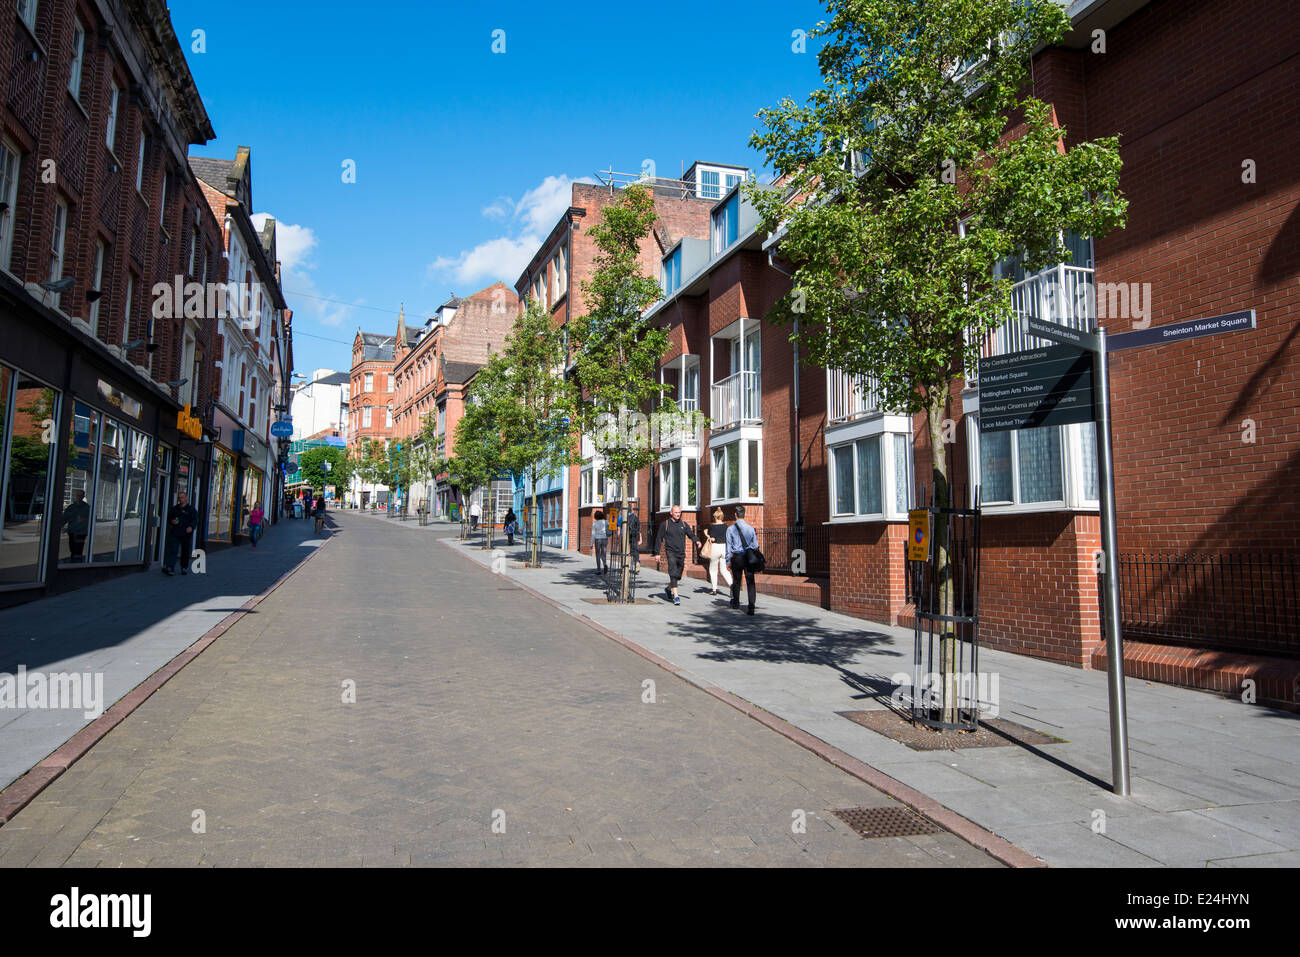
(1231, 602)
(779, 547)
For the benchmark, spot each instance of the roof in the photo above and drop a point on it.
(459, 372)
(334, 378)
(376, 346)
(215, 172)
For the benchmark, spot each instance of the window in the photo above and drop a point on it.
(726, 224)
(126, 311)
(370, 382)
(679, 482)
(110, 134)
(732, 180)
(560, 273)
(162, 203)
(709, 184)
(1021, 468)
(139, 166)
(252, 403)
(737, 471)
(27, 10)
(9, 162)
(390, 383)
(29, 411)
(78, 53)
(243, 385)
(672, 271)
(194, 252)
(592, 486)
(365, 417)
(97, 279)
(388, 417)
(57, 239)
(187, 368)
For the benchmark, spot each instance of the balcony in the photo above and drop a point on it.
(736, 400)
(850, 397)
(1063, 294)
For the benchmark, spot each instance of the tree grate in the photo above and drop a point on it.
(873, 822)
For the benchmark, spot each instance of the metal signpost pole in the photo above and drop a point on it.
(1110, 596)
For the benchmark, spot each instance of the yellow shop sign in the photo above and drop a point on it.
(187, 424)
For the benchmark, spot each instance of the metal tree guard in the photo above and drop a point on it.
(937, 692)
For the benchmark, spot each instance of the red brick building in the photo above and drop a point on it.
(434, 366)
(100, 210)
(1205, 443)
(371, 399)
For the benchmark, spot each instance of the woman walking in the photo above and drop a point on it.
(318, 510)
(715, 537)
(255, 519)
(599, 539)
(511, 521)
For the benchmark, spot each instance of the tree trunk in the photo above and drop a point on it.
(535, 546)
(625, 582)
(942, 556)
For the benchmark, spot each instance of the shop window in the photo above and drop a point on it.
(29, 411)
(110, 484)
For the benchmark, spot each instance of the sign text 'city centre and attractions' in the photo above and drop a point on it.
(1036, 388)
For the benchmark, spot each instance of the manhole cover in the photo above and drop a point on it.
(606, 601)
(895, 821)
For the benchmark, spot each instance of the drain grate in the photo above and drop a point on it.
(893, 821)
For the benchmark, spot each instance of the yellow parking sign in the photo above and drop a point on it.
(918, 535)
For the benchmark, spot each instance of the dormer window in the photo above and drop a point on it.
(672, 271)
(726, 224)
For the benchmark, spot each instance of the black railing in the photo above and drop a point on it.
(796, 551)
(1228, 602)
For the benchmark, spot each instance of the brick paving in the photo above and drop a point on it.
(475, 703)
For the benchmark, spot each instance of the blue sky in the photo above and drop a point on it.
(463, 156)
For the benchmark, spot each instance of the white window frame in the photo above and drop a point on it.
(97, 279)
(58, 245)
(110, 134)
(139, 167)
(676, 459)
(162, 204)
(742, 437)
(721, 216)
(1073, 482)
(126, 313)
(11, 160)
(388, 416)
(78, 58)
(365, 416)
(27, 11)
(369, 382)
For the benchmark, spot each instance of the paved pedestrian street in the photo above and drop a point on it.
(488, 728)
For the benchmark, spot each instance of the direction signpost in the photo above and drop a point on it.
(1067, 383)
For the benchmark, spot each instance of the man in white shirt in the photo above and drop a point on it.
(475, 513)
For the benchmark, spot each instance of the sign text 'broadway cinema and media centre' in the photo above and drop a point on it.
(1036, 388)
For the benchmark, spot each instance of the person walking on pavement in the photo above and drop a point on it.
(715, 537)
(255, 519)
(77, 517)
(475, 513)
(673, 534)
(510, 520)
(182, 519)
(599, 542)
(318, 510)
(740, 536)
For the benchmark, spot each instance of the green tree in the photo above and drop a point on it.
(535, 404)
(480, 449)
(616, 349)
(905, 141)
(311, 465)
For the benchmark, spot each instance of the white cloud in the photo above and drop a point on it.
(504, 258)
(501, 258)
(294, 245)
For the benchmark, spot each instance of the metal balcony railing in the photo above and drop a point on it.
(848, 397)
(1064, 295)
(736, 399)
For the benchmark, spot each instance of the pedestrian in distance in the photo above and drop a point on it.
(741, 538)
(715, 542)
(511, 522)
(633, 535)
(672, 536)
(182, 519)
(77, 517)
(255, 519)
(600, 541)
(475, 513)
(318, 510)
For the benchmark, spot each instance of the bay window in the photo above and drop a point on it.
(737, 469)
(1035, 469)
(679, 473)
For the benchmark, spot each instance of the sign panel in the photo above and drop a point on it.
(918, 535)
(1036, 388)
(282, 429)
(1178, 331)
(188, 424)
(1062, 334)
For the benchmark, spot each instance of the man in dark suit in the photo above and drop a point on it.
(182, 519)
